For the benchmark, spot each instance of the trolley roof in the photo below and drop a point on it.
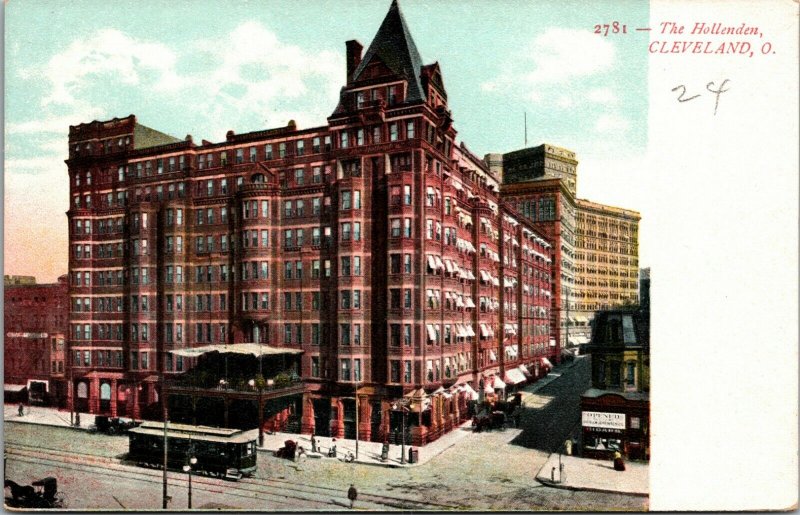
(204, 433)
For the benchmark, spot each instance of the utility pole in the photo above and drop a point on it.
(526, 128)
(356, 394)
(165, 496)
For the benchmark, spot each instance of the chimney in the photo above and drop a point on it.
(354, 49)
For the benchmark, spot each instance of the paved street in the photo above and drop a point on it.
(485, 471)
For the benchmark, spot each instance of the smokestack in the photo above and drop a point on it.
(354, 49)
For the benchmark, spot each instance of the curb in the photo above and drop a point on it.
(33, 423)
(547, 482)
(388, 464)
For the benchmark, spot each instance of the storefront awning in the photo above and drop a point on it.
(14, 387)
(498, 384)
(514, 376)
(525, 371)
(546, 362)
(254, 349)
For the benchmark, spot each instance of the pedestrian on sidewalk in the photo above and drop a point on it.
(21, 410)
(313, 443)
(352, 494)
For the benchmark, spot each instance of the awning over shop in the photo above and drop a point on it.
(546, 362)
(514, 376)
(14, 387)
(525, 371)
(254, 349)
(469, 302)
(471, 393)
(492, 356)
(498, 384)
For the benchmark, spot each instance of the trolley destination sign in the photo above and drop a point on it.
(603, 420)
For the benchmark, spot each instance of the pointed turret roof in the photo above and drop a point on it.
(394, 46)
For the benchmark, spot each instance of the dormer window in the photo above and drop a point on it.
(392, 95)
(360, 100)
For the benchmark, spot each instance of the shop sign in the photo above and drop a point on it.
(603, 419)
(26, 335)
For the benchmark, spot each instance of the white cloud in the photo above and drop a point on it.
(110, 53)
(565, 101)
(556, 56)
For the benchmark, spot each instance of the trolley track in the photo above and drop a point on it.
(274, 492)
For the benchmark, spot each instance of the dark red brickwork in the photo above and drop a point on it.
(375, 244)
(35, 321)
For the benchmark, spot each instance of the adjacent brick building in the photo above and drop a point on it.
(597, 263)
(375, 246)
(35, 322)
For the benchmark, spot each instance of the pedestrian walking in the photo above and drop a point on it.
(21, 410)
(352, 494)
(313, 443)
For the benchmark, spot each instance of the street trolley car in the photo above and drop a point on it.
(220, 452)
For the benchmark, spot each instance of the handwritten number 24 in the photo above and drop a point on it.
(709, 87)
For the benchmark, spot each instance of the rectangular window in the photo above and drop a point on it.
(345, 370)
(409, 130)
(315, 145)
(301, 147)
(393, 131)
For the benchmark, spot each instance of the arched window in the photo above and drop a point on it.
(83, 390)
(105, 392)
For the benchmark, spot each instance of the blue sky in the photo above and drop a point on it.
(205, 67)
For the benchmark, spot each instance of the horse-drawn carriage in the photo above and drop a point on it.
(39, 494)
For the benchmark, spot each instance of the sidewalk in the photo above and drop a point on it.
(369, 452)
(596, 475)
(43, 416)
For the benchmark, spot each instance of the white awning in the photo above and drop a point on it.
(498, 384)
(456, 184)
(8, 387)
(460, 301)
(451, 268)
(495, 281)
(469, 302)
(514, 376)
(484, 330)
(547, 363)
(431, 332)
(255, 349)
(485, 276)
(507, 283)
(439, 262)
(470, 330)
(492, 355)
(431, 262)
(470, 275)
(496, 257)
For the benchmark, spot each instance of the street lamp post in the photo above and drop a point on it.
(188, 469)
(402, 433)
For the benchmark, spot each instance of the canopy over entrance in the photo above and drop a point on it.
(254, 349)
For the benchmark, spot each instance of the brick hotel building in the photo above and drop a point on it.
(375, 248)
